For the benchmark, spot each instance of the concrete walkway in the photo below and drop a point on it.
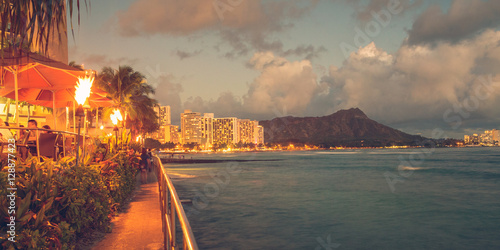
(139, 226)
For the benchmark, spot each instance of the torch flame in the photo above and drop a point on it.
(116, 116)
(82, 89)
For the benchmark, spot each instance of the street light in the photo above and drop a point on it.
(82, 92)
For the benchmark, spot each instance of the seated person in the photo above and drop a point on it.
(5, 134)
(32, 136)
(46, 127)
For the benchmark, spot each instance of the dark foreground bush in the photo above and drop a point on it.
(55, 202)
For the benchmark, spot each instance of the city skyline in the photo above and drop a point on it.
(413, 65)
(207, 130)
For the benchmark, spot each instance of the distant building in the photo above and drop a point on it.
(247, 131)
(495, 136)
(260, 135)
(163, 113)
(226, 131)
(488, 138)
(172, 134)
(207, 130)
(191, 131)
(467, 139)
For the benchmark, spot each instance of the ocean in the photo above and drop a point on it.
(446, 198)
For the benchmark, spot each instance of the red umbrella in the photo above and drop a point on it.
(57, 98)
(24, 69)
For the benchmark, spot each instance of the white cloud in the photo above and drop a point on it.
(417, 82)
(282, 84)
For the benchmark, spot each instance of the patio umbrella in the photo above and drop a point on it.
(24, 69)
(56, 98)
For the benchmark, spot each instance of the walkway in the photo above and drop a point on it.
(139, 226)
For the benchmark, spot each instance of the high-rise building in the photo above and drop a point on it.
(191, 131)
(207, 130)
(163, 113)
(226, 131)
(172, 133)
(260, 135)
(247, 131)
(467, 139)
(495, 136)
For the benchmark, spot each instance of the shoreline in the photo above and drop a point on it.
(194, 161)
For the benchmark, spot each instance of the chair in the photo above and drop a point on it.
(68, 145)
(47, 145)
(22, 144)
(60, 146)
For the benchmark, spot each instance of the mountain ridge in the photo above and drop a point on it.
(351, 127)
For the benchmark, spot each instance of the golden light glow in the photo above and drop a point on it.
(116, 116)
(102, 126)
(82, 89)
(138, 138)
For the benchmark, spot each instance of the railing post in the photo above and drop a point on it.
(165, 212)
(172, 219)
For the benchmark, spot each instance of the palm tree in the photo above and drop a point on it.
(30, 22)
(130, 92)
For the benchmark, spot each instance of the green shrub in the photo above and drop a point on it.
(58, 201)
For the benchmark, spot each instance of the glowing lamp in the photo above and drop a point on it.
(82, 92)
(82, 89)
(116, 116)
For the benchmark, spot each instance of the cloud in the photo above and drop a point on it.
(364, 10)
(168, 93)
(283, 88)
(281, 84)
(464, 19)
(189, 16)
(98, 61)
(185, 54)
(418, 82)
(243, 25)
(225, 106)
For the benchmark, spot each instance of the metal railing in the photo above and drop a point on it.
(171, 208)
(61, 133)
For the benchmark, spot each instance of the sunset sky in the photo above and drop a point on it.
(414, 65)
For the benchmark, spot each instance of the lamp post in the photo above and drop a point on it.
(79, 113)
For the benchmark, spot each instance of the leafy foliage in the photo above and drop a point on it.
(130, 92)
(57, 201)
(31, 22)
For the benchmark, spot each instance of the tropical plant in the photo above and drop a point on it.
(32, 22)
(130, 91)
(59, 201)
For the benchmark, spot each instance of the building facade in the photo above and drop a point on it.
(488, 138)
(225, 131)
(191, 127)
(260, 135)
(248, 131)
(172, 134)
(207, 130)
(163, 113)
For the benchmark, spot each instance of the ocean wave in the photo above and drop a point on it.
(401, 167)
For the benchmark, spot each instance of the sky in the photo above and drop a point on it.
(424, 67)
